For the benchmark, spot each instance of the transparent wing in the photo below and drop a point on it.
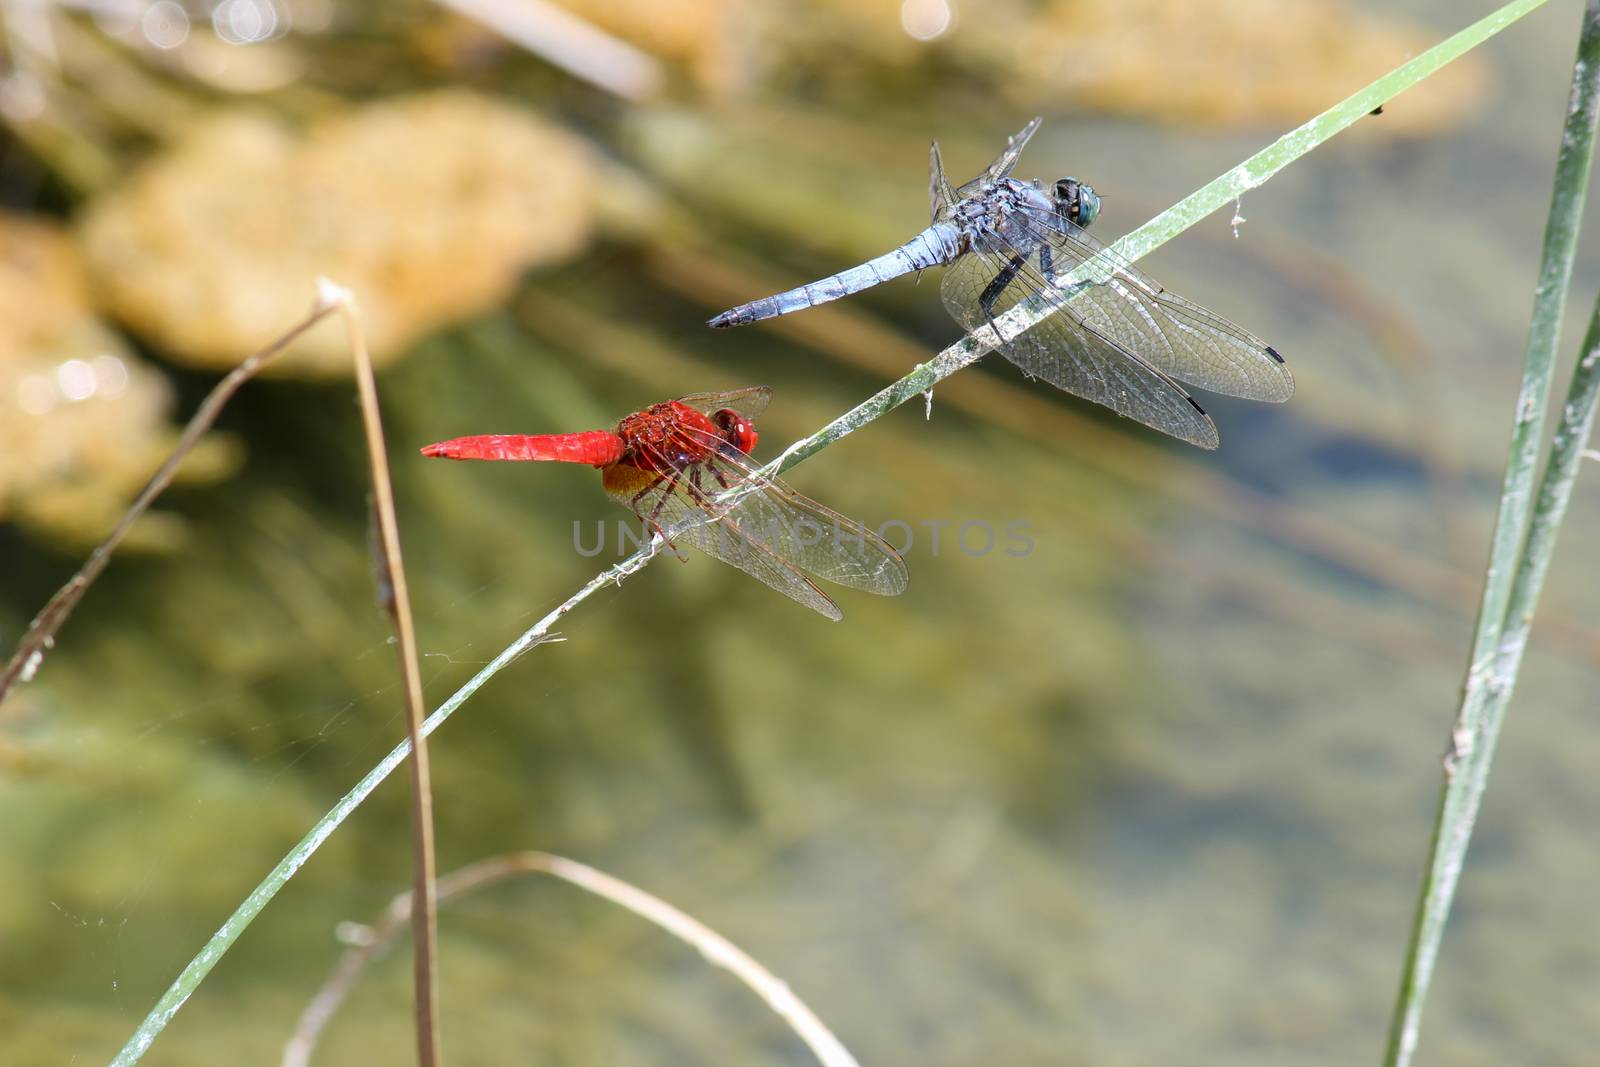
(1003, 163)
(940, 194)
(813, 537)
(1070, 354)
(722, 506)
(1176, 336)
(684, 521)
(749, 402)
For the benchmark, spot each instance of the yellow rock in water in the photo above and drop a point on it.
(1208, 63)
(84, 420)
(1232, 62)
(428, 207)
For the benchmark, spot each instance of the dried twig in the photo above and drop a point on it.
(40, 636)
(712, 945)
(396, 601)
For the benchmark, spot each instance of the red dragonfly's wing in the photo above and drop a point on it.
(728, 510)
(815, 538)
(684, 519)
(749, 402)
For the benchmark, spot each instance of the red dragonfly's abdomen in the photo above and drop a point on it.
(597, 448)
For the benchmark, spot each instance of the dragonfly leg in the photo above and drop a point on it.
(1046, 266)
(666, 492)
(698, 491)
(652, 521)
(991, 294)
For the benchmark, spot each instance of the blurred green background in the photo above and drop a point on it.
(1156, 791)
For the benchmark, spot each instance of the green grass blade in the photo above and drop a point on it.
(1223, 190)
(1555, 492)
(1515, 573)
(192, 975)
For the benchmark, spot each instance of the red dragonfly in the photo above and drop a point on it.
(683, 467)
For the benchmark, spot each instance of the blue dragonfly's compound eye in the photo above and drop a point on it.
(1082, 203)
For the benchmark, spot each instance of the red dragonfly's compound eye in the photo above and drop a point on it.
(737, 430)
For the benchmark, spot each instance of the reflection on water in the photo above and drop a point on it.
(1156, 791)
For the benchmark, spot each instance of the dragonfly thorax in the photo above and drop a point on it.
(990, 218)
(666, 436)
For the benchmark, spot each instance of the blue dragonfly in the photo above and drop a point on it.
(1120, 340)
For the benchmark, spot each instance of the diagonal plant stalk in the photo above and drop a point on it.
(1519, 555)
(1216, 194)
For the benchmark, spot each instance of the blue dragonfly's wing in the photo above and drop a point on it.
(1068, 353)
(1004, 162)
(1133, 311)
(940, 194)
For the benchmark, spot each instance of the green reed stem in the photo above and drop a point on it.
(1519, 554)
(1165, 226)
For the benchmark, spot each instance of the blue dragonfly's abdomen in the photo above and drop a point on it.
(936, 246)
